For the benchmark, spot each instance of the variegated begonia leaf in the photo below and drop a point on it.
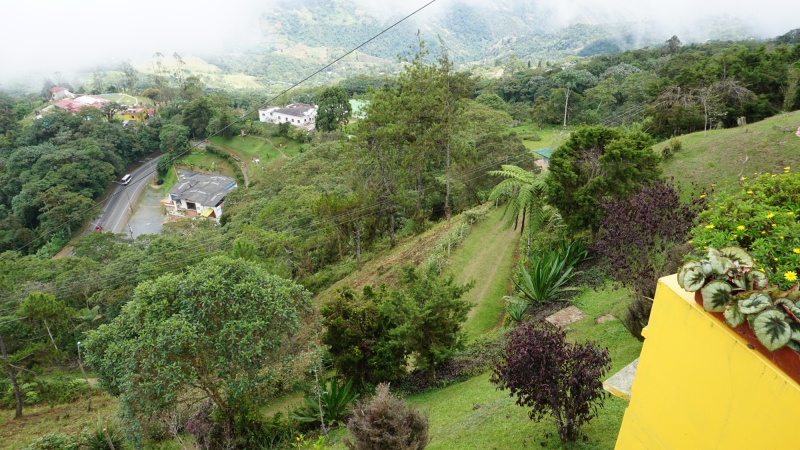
(716, 295)
(733, 317)
(694, 279)
(755, 304)
(684, 269)
(772, 329)
(738, 254)
(756, 279)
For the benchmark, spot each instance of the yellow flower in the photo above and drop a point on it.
(775, 259)
(787, 168)
(702, 195)
(790, 275)
(743, 178)
(780, 237)
(705, 247)
(740, 227)
(773, 175)
(750, 192)
(691, 240)
(773, 224)
(789, 213)
(710, 226)
(770, 216)
(735, 235)
(796, 250)
(763, 232)
(713, 184)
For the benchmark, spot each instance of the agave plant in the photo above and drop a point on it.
(726, 271)
(550, 272)
(515, 308)
(333, 401)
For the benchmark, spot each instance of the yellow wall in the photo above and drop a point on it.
(698, 386)
(138, 116)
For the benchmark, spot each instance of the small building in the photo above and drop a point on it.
(136, 113)
(545, 153)
(74, 105)
(297, 114)
(198, 194)
(60, 93)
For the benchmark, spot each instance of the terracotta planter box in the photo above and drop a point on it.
(785, 358)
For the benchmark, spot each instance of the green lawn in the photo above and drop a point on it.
(552, 136)
(487, 257)
(719, 158)
(475, 415)
(248, 147)
(207, 162)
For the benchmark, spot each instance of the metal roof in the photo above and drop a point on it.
(207, 190)
(545, 152)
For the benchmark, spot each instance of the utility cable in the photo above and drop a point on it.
(268, 102)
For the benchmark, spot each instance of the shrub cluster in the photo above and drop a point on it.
(553, 377)
(59, 389)
(385, 422)
(641, 240)
(762, 216)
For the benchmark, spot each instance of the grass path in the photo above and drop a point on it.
(487, 257)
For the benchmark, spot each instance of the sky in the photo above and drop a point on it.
(39, 38)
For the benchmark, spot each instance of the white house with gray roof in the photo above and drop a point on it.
(297, 114)
(198, 194)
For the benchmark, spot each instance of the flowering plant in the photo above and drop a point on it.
(762, 216)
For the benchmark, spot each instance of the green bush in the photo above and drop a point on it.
(761, 217)
(53, 441)
(59, 389)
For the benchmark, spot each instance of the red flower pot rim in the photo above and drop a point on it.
(785, 358)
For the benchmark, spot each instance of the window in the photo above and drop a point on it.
(126, 179)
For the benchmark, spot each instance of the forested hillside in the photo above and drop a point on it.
(206, 332)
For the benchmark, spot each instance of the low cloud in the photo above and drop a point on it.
(47, 36)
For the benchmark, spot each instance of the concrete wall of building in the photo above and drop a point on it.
(699, 386)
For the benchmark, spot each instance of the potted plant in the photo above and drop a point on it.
(725, 272)
(766, 316)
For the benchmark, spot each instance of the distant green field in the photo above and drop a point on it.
(724, 156)
(207, 162)
(248, 147)
(552, 136)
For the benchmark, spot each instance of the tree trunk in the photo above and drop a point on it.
(391, 226)
(566, 104)
(51, 334)
(358, 248)
(13, 375)
(447, 179)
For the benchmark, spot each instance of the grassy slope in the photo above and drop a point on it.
(486, 257)
(36, 421)
(474, 415)
(719, 157)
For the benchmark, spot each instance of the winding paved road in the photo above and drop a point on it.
(118, 208)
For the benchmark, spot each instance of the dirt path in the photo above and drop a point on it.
(280, 150)
(487, 258)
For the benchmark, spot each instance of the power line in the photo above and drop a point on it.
(178, 156)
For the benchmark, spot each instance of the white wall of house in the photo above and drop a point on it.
(271, 115)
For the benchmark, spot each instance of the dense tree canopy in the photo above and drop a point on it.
(597, 163)
(334, 109)
(222, 330)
